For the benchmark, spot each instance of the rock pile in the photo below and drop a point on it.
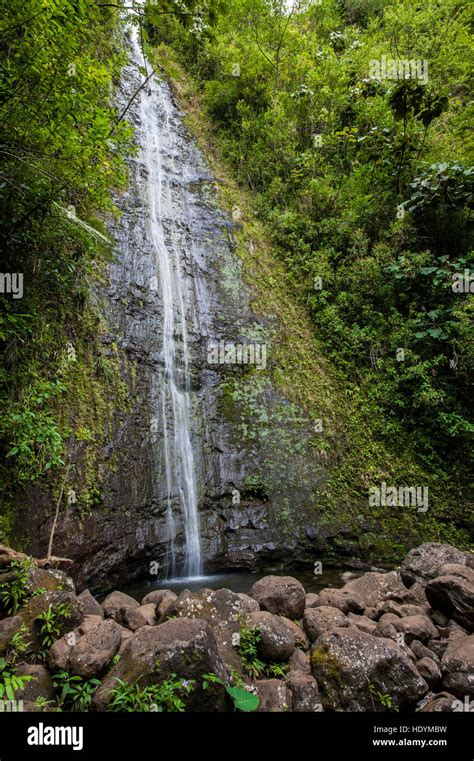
(384, 641)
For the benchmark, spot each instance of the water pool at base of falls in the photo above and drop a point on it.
(238, 581)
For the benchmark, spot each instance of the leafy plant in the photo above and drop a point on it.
(76, 693)
(10, 681)
(15, 592)
(166, 697)
(243, 699)
(248, 651)
(18, 644)
(51, 623)
(42, 703)
(384, 698)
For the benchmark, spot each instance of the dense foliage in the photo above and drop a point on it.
(364, 180)
(62, 147)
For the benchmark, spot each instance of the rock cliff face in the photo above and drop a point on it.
(255, 468)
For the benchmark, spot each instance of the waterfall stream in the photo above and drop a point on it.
(163, 207)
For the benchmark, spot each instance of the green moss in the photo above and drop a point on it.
(349, 448)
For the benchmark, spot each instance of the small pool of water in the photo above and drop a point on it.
(237, 582)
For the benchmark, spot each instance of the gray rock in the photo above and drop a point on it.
(299, 663)
(186, 647)
(374, 587)
(249, 605)
(345, 660)
(282, 595)
(457, 665)
(453, 569)
(89, 605)
(344, 599)
(8, 627)
(316, 621)
(363, 623)
(277, 641)
(422, 563)
(443, 702)
(165, 606)
(421, 651)
(416, 627)
(90, 654)
(156, 596)
(40, 686)
(311, 600)
(148, 612)
(117, 605)
(304, 693)
(275, 697)
(453, 596)
(299, 637)
(223, 610)
(430, 671)
(385, 629)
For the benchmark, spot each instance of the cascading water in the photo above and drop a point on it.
(161, 207)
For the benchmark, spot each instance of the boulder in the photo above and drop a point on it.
(457, 665)
(304, 693)
(49, 579)
(118, 605)
(164, 607)
(453, 569)
(316, 621)
(344, 599)
(443, 702)
(430, 671)
(277, 641)
(222, 609)
(39, 604)
(300, 638)
(133, 619)
(89, 605)
(185, 647)
(345, 660)
(421, 651)
(148, 613)
(156, 596)
(87, 624)
(8, 627)
(453, 596)
(373, 587)
(363, 623)
(385, 629)
(91, 653)
(401, 609)
(416, 627)
(275, 697)
(282, 595)
(249, 604)
(422, 563)
(40, 686)
(311, 600)
(299, 663)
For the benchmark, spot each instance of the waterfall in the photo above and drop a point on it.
(163, 208)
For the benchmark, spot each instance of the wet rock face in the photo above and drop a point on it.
(128, 530)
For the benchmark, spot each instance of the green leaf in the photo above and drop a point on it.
(243, 699)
